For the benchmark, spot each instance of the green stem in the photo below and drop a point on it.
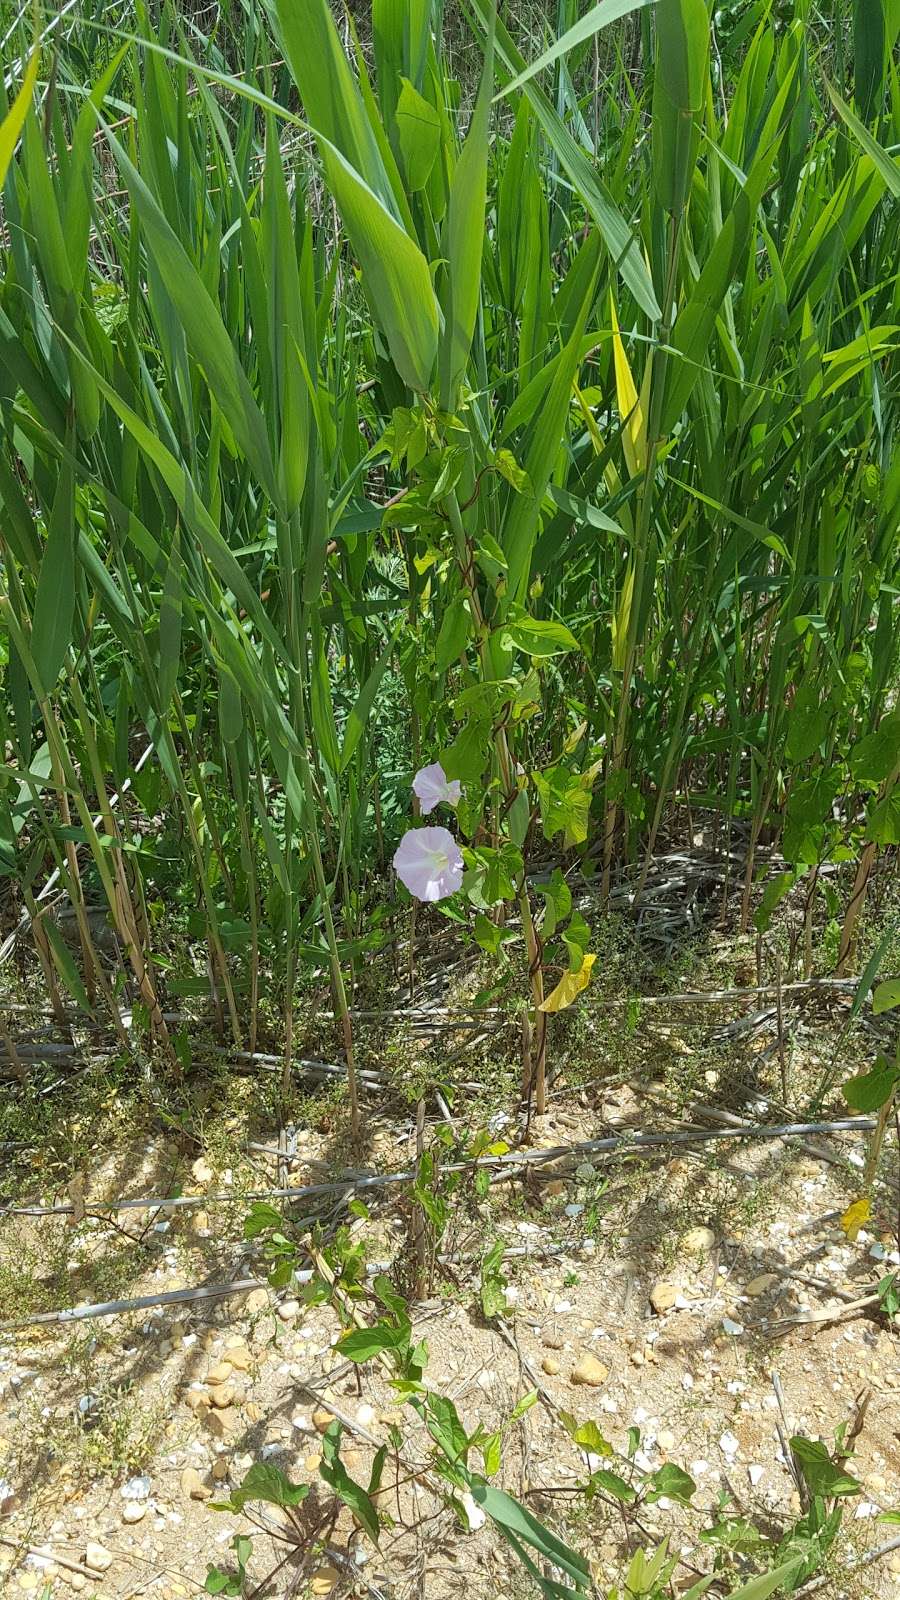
(535, 1069)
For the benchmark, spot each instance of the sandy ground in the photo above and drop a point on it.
(115, 1435)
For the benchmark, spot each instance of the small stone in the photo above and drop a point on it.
(475, 1517)
(762, 1284)
(253, 1412)
(323, 1580)
(222, 1423)
(222, 1395)
(289, 1310)
(192, 1485)
(636, 1357)
(699, 1241)
(666, 1439)
(97, 1556)
(755, 1474)
(256, 1302)
(137, 1488)
(553, 1341)
(134, 1511)
(201, 1171)
(220, 1372)
(322, 1421)
(220, 1469)
(240, 1358)
(550, 1365)
(366, 1415)
(312, 1463)
(200, 1224)
(588, 1370)
(729, 1443)
(663, 1296)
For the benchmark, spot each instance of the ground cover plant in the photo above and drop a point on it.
(450, 481)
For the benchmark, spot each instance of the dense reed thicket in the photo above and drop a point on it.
(539, 423)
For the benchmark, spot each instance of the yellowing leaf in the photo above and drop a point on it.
(854, 1217)
(11, 126)
(631, 406)
(621, 620)
(590, 420)
(569, 987)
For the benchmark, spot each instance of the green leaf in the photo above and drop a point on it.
(682, 29)
(767, 1582)
(265, 1482)
(321, 706)
(359, 715)
(363, 1344)
(464, 239)
(565, 803)
(888, 168)
(54, 605)
(335, 1474)
(681, 76)
(66, 965)
(886, 996)
(170, 621)
(489, 936)
(331, 97)
(419, 134)
(810, 718)
(696, 321)
(446, 1428)
(883, 819)
(869, 47)
(672, 1481)
(587, 26)
(493, 1282)
(602, 1478)
(587, 1435)
(539, 638)
(206, 333)
(869, 1091)
(873, 758)
(773, 893)
(467, 756)
(618, 236)
(558, 896)
(517, 1521)
(453, 633)
(219, 1582)
(395, 274)
(822, 1475)
(491, 1450)
(523, 514)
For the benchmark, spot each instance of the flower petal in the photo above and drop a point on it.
(429, 862)
(430, 786)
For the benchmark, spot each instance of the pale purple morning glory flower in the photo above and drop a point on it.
(431, 786)
(429, 862)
